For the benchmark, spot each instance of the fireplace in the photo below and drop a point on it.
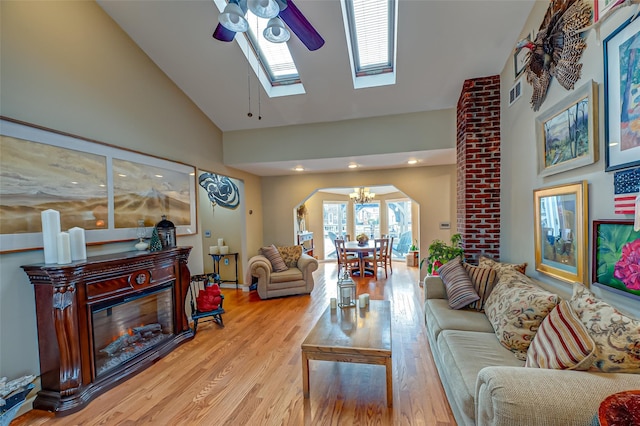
(105, 319)
(125, 328)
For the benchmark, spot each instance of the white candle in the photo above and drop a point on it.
(224, 249)
(346, 299)
(50, 230)
(78, 246)
(333, 302)
(213, 250)
(220, 242)
(64, 248)
(366, 299)
(362, 300)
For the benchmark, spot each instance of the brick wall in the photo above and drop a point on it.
(478, 159)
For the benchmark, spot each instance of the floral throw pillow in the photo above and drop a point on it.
(515, 308)
(500, 267)
(290, 255)
(616, 335)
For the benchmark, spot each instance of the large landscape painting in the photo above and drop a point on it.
(100, 188)
(37, 177)
(146, 192)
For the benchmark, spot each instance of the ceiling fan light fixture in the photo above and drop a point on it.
(232, 18)
(276, 32)
(264, 8)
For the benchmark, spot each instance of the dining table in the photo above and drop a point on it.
(361, 251)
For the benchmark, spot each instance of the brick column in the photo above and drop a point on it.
(478, 159)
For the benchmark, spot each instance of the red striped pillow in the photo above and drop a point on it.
(562, 342)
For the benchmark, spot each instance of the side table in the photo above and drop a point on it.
(216, 266)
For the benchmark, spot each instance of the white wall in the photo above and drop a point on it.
(519, 165)
(432, 188)
(67, 66)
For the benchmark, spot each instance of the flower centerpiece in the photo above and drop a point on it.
(362, 239)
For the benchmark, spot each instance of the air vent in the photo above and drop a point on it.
(515, 92)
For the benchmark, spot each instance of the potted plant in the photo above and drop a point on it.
(440, 253)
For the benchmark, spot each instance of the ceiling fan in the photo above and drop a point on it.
(232, 21)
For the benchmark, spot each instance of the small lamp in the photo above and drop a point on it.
(276, 32)
(346, 291)
(233, 18)
(264, 8)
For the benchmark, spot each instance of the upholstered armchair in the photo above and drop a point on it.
(297, 278)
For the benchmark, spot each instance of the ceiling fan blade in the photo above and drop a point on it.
(308, 35)
(223, 34)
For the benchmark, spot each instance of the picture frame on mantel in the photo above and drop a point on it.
(560, 231)
(103, 189)
(622, 96)
(567, 133)
(614, 244)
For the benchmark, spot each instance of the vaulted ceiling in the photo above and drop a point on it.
(440, 44)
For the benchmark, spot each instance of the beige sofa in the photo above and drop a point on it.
(295, 280)
(487, 385)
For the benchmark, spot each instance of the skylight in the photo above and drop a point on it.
(371, 29)
(271, 62)
(275, 58)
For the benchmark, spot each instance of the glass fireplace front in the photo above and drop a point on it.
(129, 326)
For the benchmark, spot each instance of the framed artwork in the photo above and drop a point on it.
(520, 59)
(601, 7)
(560, 231)
(622, 96)
(94, 186)
(616, 257)
(567, 133)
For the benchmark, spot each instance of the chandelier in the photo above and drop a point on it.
(361, 195)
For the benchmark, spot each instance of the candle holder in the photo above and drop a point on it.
(346, 292)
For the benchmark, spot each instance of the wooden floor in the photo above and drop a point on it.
(250, 372)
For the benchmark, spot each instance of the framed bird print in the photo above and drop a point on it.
(622, 96)
(567, 133)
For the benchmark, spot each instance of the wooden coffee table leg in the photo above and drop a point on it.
(305, 374)
(389, 382)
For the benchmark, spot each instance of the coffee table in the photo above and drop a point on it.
(351, 335)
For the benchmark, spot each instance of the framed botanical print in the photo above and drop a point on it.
(616, 257)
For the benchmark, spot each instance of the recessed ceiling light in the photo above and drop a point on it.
(353, 166)
(412, 161)
(298, 169)
(122, 175)
(159, 176)
(74, 182)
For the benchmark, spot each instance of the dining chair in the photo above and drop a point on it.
(390, 254)
(379, 257)
(345, 259)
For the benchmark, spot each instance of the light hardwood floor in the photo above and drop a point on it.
(250, 371)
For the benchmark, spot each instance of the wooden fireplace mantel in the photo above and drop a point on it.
(64, 295)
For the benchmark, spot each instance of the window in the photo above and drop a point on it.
(371, 39)
(399, 223)
(367, 219)
(335, 225)
(272, 63)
